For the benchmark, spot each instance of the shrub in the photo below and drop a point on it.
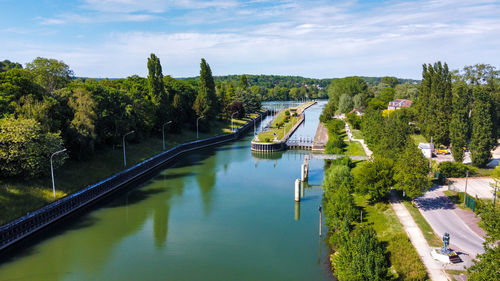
(287, 113)
(455, 170)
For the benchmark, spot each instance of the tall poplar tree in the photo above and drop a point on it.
(435, 102)
(483, 129)
(206, 101)
(155, 79)
(460, 125)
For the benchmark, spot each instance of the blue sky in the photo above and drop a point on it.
(321, 39)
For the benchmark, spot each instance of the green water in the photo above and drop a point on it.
(218, 214)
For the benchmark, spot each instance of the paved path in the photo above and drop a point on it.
(368, 152)
(321, 138)
(434, 268)
(441, 214)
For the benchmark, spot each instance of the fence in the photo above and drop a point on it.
(32, 222)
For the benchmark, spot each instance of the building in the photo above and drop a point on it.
(358, 111)
(426, 148)
(398, 104)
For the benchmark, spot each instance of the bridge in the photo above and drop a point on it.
(302, 143)
(336, 156)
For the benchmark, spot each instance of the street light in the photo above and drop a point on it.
(197, 126)
(124, 156)
(163, 132)
(52, 170)
(232, 128)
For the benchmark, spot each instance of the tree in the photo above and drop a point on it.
(25, 149)
(83, 123)
(486, 265)
(14, 85)
(361, 258)
(459, 125)
(50, 73)
(406, 91)
(206, 101)
(155, 79)
(345, 103)
(374, 178)
(7, 64)
(389, 80)
(483, 130)
(243, 82)
(350, 86)
(412, 171)
(237, 108)
(434, 103)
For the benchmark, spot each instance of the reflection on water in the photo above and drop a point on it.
(217, 214)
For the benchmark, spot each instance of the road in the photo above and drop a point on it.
(434, 268)
(441, 214)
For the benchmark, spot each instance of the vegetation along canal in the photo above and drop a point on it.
(220, 213)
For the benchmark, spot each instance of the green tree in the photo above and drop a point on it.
(243, 82)
(483, 129)
(361, 258)
(459, 125)
(83, 123)
(406, 91)
(434, 104)
(155, 79)
(206, 101)
(50, 73)
(7, 64)
(374, 178)
(389, 80)
(350, 86)
(486, 265)
(25, 149)
(412, 171)
(345, 103)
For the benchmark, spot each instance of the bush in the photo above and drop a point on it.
(406, 263)
(455, 170)
(287, 113)
(354, 120)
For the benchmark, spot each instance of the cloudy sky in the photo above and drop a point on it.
(321, 39)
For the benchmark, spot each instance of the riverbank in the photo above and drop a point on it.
(20, 197)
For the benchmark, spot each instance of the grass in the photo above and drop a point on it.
(418, 139)
(18, 197)
(405, 262)
(268, 136)
(357, 134)
(431, 237)
(355, 148)
(452, 272)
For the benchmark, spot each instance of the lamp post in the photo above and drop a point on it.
(163, 132)
(52, 170)
(197, 126)
(232, 128)
(124, 155)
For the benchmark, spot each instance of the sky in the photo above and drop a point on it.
(317, 39)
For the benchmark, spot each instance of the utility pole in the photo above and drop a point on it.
(466, 180)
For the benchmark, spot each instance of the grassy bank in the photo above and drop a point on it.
(354, 148)
(19, 196)
(405, 262)
(431, 237)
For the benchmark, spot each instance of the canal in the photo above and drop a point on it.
(221, 213)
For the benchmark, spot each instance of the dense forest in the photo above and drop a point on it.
(43, 108)
(276, 87)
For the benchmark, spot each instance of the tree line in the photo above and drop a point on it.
(44, 108)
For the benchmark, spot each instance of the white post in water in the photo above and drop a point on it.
(297, 190)
(303, 172)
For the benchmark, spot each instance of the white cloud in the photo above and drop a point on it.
(316, 39)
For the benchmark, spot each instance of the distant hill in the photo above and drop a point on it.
(270, 81)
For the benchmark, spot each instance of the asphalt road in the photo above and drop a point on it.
(439, 211)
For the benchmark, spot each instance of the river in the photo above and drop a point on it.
(221, 213)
